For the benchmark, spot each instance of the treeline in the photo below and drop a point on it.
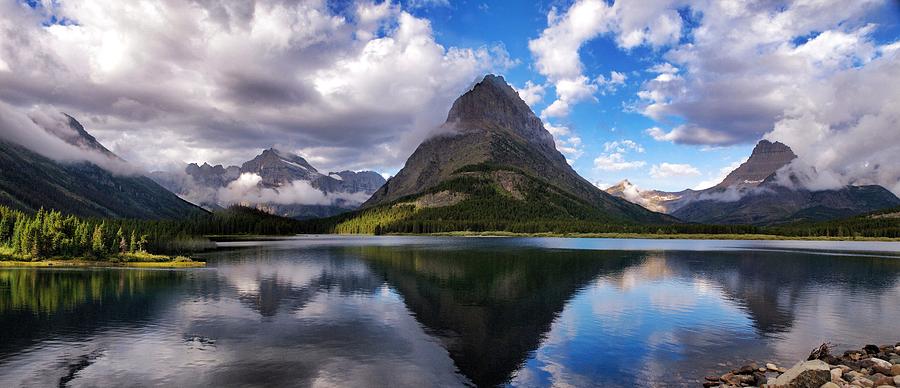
(49, 234)
(879, 224)
(543, 210)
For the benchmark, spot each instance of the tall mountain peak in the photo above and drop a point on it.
(494, 136)
(493, 104)
(767, 157)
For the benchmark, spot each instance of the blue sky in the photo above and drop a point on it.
(357, 84)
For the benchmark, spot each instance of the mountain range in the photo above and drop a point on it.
(30, 181)
(494, 165)
(753, 194)
(491, 166)
(286, 185)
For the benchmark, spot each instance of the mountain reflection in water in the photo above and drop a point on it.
(448, 312)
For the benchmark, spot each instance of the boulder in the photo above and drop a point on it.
(836, 373)
(808, 374)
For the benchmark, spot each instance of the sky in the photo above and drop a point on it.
(669, 94)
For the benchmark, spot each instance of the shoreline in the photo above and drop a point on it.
(651, 236)
(79, 263)
(871, 366)
(646, 236)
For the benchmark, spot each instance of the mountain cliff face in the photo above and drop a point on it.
(491, 138)
(30, 181)
(751, 195)
(277, 171)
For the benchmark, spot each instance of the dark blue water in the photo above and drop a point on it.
(420, 311)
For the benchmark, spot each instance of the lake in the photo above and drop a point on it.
(434, 311)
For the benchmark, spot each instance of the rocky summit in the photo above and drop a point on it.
(767, 157)
(344, 190)
(491, 137)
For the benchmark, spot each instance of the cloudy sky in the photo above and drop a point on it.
(667, 93)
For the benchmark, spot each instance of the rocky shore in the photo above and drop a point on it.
(872, 366)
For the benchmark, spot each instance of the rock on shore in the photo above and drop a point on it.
(872, 366)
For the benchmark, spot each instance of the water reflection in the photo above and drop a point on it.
(437, 312)
(36, 303)
(489, 308)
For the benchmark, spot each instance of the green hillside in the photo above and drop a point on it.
(29, 182)
(479, 197)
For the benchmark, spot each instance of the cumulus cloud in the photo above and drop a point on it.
(615, 154)
(531, 93)
(568, 93)
(623, 146)
(748, 64)
(810, 74)
(616, 162)
(633, 23)
(220, 80)
(611, 84)
(848, 128)
(566, 142)
(667, 170)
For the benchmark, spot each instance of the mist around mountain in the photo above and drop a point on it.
(102, 185)
(771, 187)
(274, 181)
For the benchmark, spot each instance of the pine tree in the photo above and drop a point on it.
(120, 239)
(132, 247)
(97, 245)
(142, 243)
(5, 229)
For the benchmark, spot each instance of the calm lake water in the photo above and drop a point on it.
(426, 311)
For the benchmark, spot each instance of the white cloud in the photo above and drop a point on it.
(228, 78)
(566, 142)
(531, 93)
(568, 93)
(611, 84)
(246, 190)
(667, 170)
(556, 50)
(623, 146)
(614, 158)
(847, 128)
(616, 162)
(748, 64)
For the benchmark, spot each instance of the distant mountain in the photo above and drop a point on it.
(653, 199)
(494, 162)
(279, 172)
(30, 181)
(751, 194)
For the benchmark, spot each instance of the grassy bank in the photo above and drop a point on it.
(79, 263)
(677, 236)
(134, 259)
